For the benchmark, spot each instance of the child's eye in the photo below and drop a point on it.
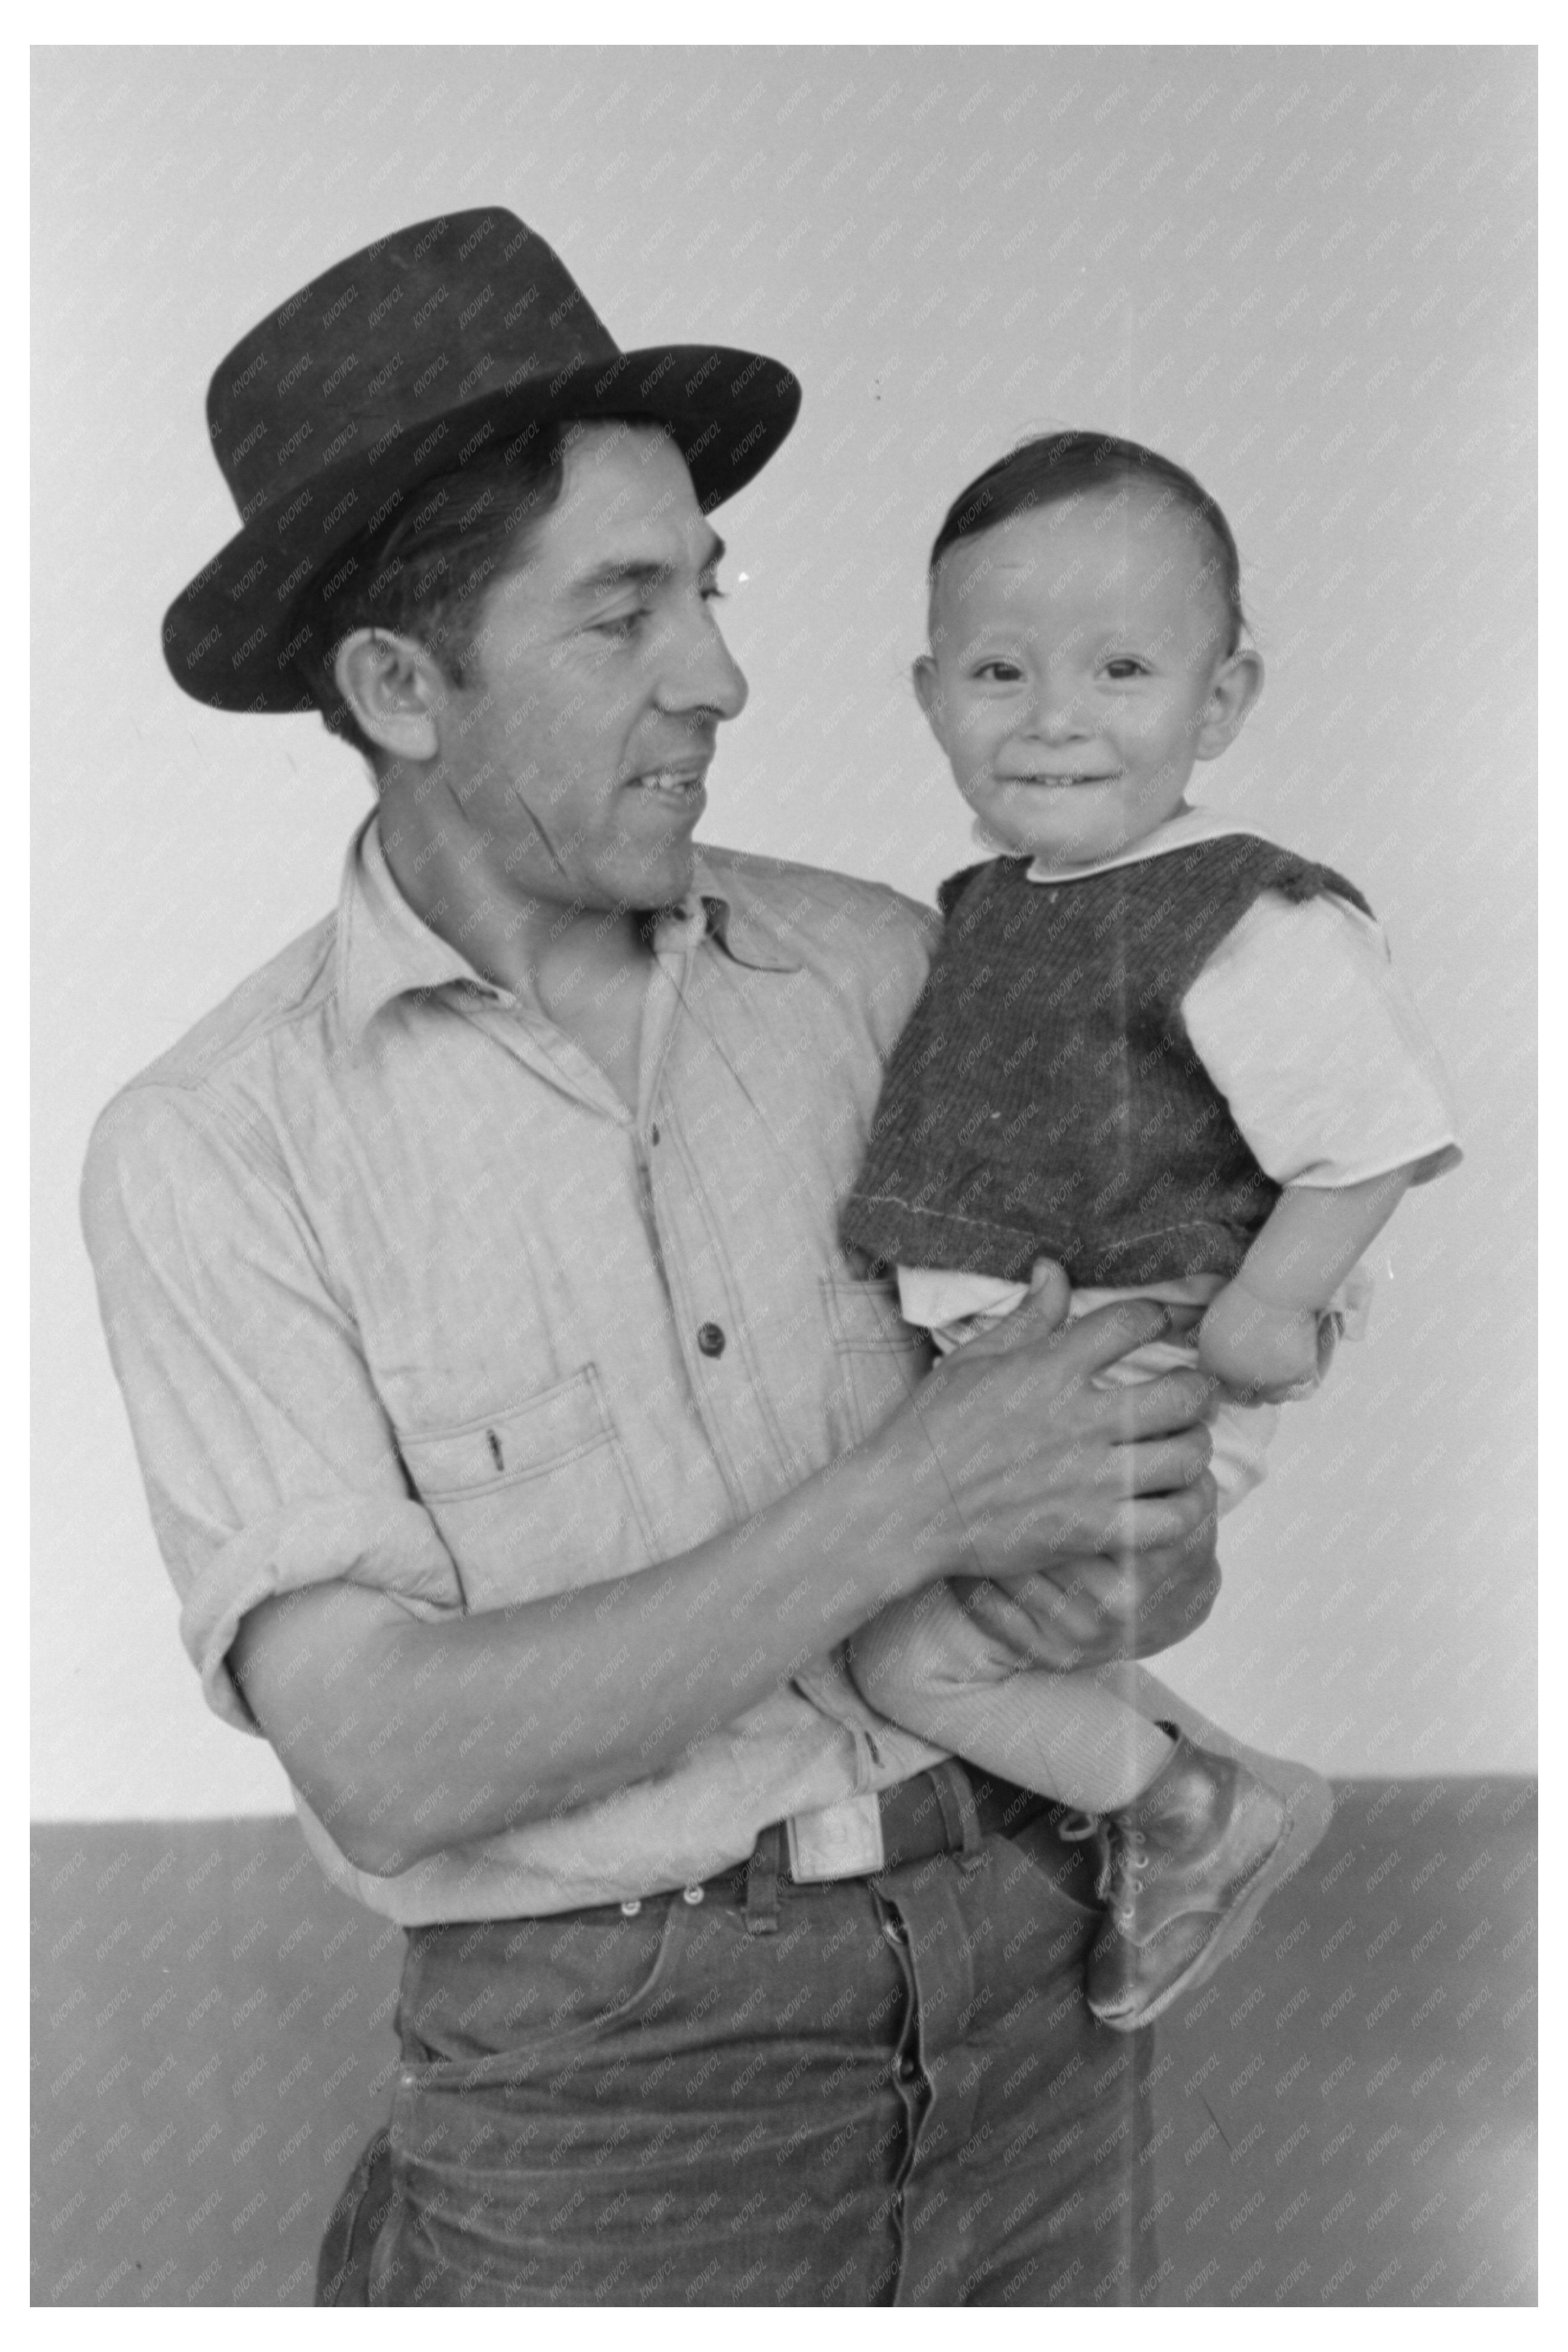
(1004, 672)
(1125, 665)
(713, 594)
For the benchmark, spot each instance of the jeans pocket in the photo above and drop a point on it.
(515, 2036)
(516, 2000)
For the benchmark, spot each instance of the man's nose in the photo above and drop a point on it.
(699, 671)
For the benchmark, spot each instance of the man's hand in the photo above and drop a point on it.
(1019, 1462)
(1085, 1613)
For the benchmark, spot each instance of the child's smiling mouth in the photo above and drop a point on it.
(1062, 779)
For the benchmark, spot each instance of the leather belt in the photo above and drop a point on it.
(949, 1809)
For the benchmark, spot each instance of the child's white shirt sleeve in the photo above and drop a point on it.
(1304, 1026)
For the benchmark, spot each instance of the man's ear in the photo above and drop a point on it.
(1231, 697)
(394, 690)
(928, 694)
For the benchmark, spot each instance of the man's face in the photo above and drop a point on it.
(580, 743)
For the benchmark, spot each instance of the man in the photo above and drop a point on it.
(521, 1442)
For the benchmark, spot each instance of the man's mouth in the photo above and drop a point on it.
(674, 783)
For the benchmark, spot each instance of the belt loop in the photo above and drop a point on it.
(762, 1883)
(956, 1798)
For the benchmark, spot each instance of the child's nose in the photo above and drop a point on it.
(1057, 715)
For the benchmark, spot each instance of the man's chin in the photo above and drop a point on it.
(664, 880)
(642, 886)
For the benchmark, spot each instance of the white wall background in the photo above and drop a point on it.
(1309, 275)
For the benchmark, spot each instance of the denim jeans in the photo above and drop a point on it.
(873, 2091)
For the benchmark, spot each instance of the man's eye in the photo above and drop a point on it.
(713, 594)
(621, 625)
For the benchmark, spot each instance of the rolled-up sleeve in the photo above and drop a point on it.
(270, 1465)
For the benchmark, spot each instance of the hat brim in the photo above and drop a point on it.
(226, 636)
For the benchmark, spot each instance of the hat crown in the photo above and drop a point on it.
(446, 346)
(395, 341)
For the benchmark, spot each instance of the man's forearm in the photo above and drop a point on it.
(407, 1737)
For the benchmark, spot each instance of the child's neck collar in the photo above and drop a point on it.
(1185, 828)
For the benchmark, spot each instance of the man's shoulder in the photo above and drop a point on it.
(293, 988)
(816, 904)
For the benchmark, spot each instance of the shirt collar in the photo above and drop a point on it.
(732, 921)
(1183, 831)
(385, 951)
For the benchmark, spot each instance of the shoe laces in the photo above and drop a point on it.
(1123, 1860)
(1124, 1873)
(1076, 1826)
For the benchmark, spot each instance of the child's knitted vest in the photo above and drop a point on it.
(1044, 1100)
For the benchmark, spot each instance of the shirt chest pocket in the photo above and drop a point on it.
(879, 1359)
(535, 1499)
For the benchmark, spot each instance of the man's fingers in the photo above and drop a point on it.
(1157, 1407)
(1050, 1293)
(1042, 1312)
(1152, 1522)
(1110, 1333)
(1163, 1466)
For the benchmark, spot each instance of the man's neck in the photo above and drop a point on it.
(585, 968)
(463, 886)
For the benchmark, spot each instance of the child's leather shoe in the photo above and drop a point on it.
(1184, 1870)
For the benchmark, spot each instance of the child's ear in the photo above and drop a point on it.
(928, 694)
(1231, 697)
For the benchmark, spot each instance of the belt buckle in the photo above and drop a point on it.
(841, 1841)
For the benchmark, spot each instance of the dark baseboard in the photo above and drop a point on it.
(1345, 2115)
(1350, 2105)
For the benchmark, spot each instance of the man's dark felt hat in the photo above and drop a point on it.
(434, 349)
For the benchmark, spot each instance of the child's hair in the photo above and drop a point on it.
(1059, 465)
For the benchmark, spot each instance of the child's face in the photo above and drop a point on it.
(1079, 670)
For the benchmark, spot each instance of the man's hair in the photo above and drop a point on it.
(1060, 465)
(423, 572)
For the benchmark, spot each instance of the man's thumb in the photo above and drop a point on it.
(1050, 1291)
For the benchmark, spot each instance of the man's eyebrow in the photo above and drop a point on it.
(638, 572)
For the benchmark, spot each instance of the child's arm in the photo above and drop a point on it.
(1259, 1334)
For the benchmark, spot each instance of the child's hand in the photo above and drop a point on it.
(1262, 1353)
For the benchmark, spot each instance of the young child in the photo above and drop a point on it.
(1157, 1055)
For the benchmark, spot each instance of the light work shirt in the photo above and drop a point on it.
(399, 1292)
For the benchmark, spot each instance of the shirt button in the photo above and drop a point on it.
(894, 1931)
(691, 1894)
(629, 1910)
(907, 2070)
(711, 1339)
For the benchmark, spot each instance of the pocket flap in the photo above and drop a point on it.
(542, 1433)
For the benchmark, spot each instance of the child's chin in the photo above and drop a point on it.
(1064, 849)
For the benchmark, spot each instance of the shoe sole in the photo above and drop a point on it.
(1309, 1803)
